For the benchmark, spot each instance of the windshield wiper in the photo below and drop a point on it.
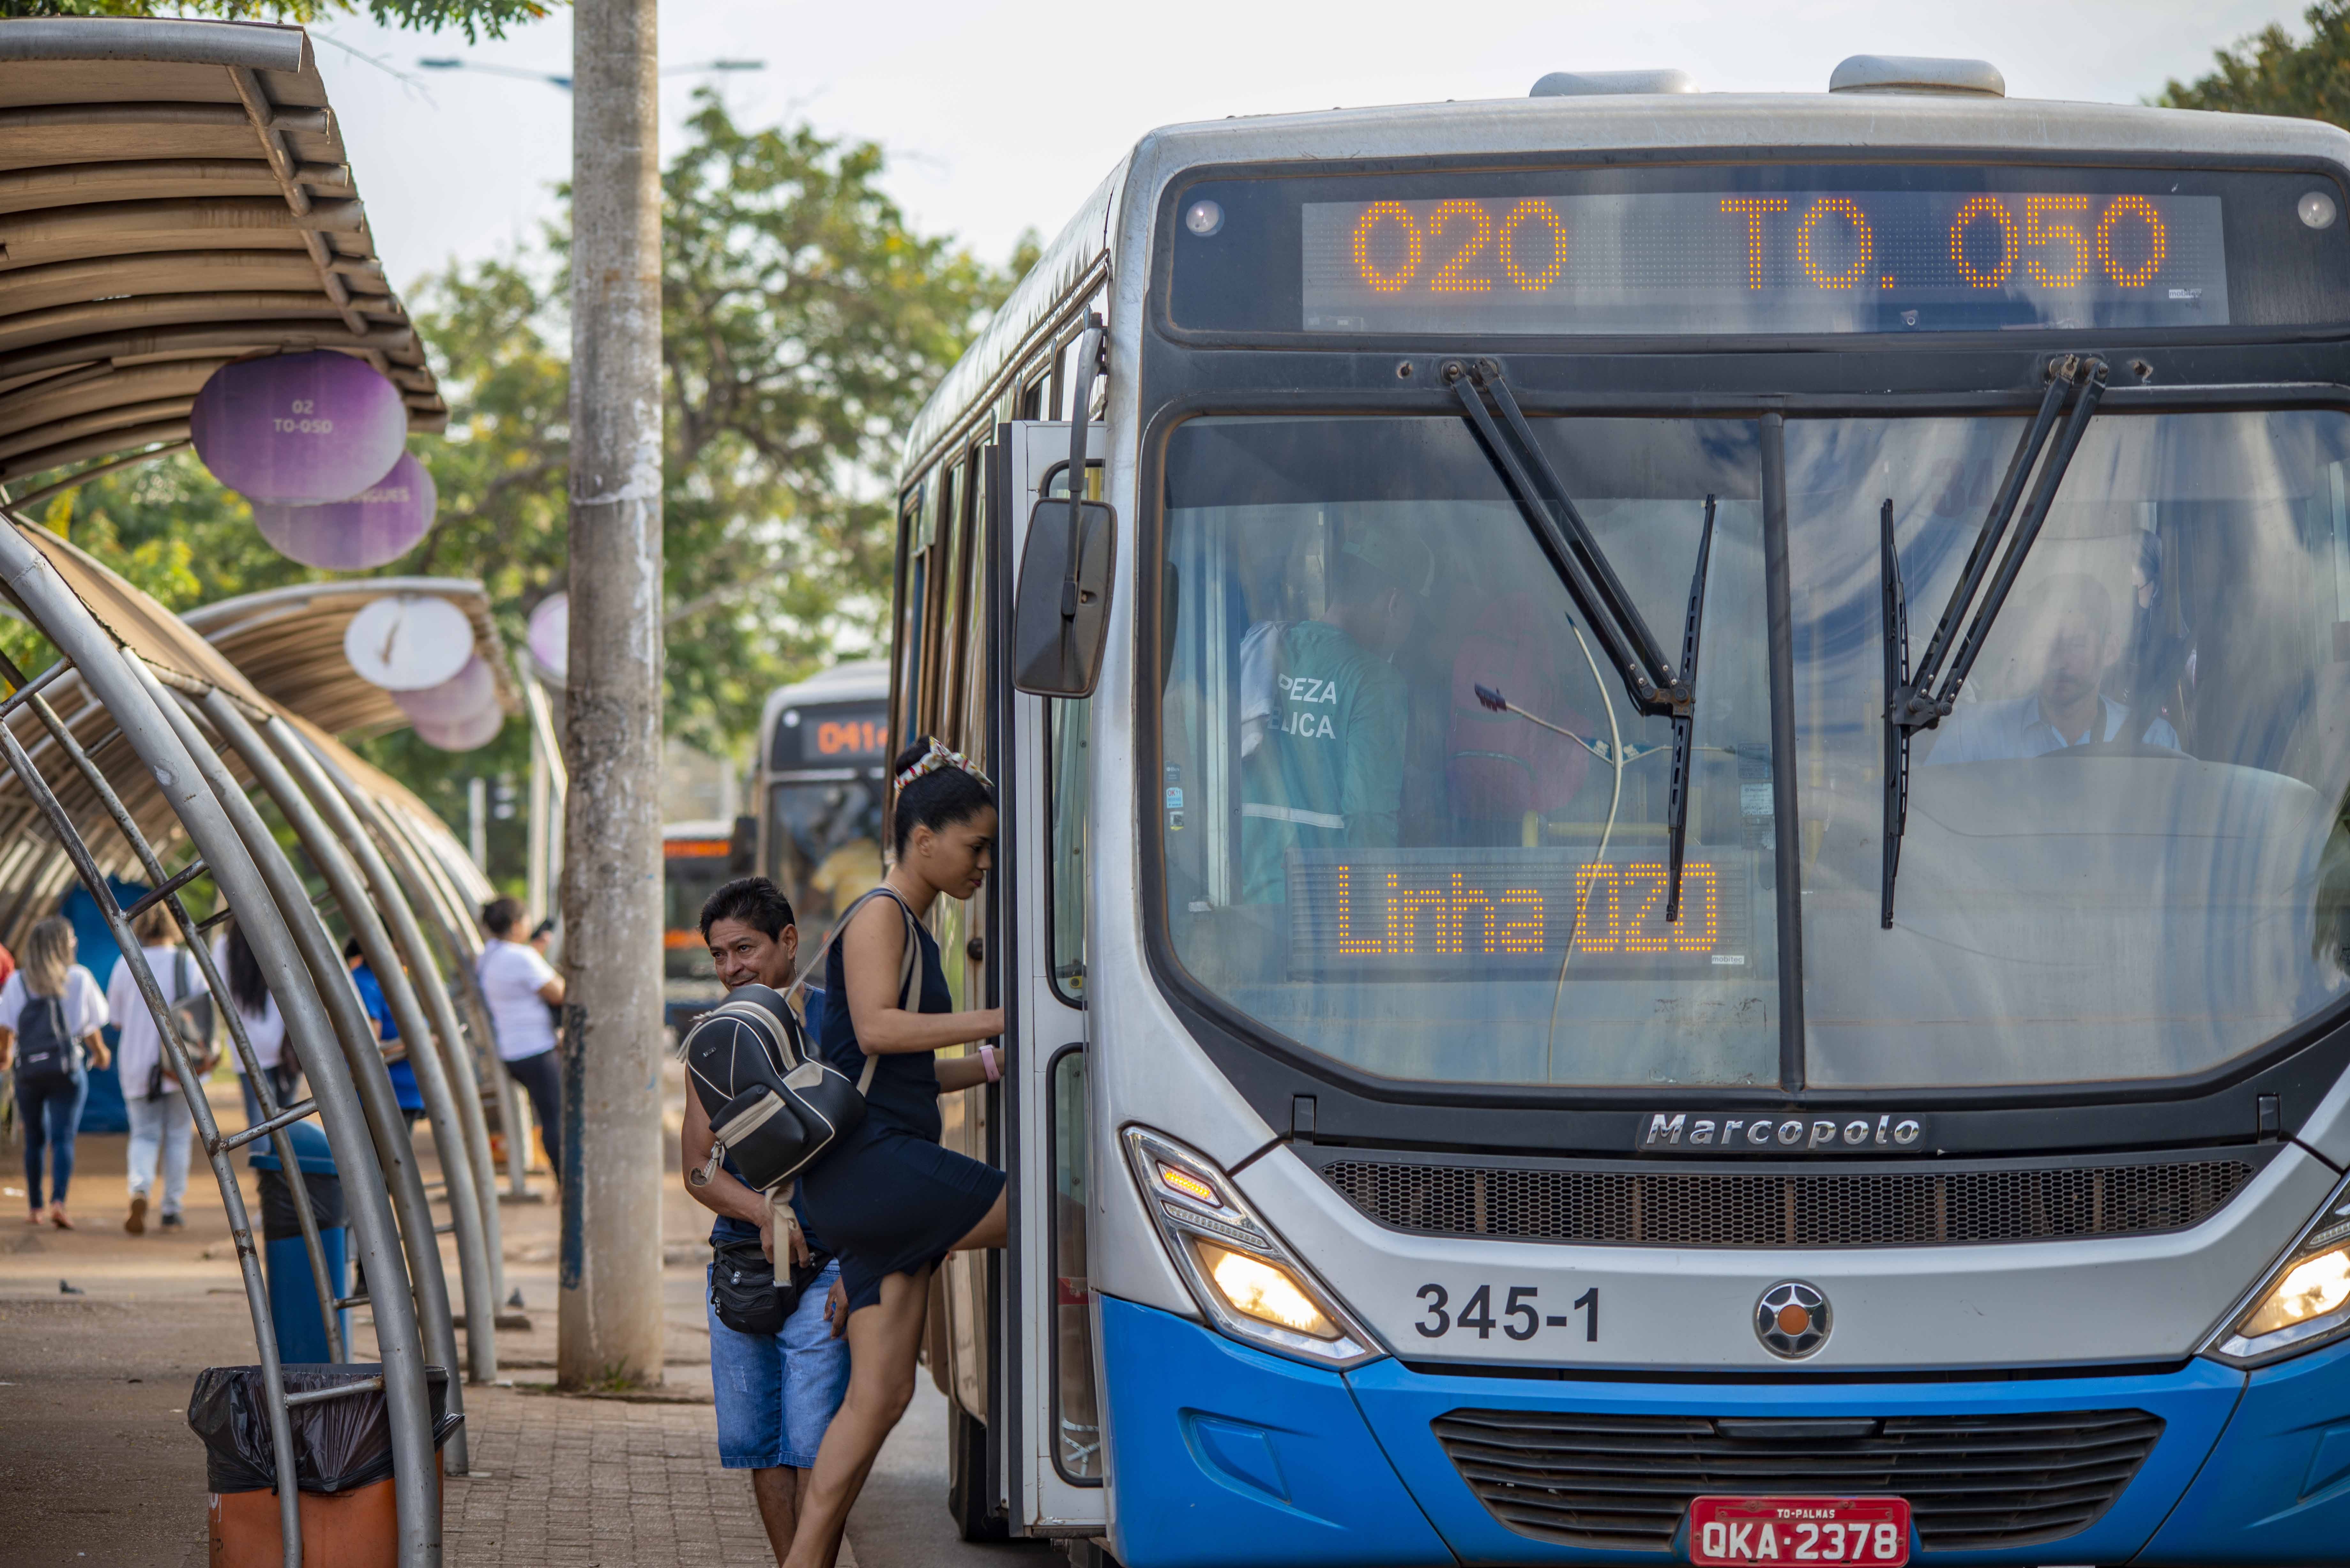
(1922, 698)
(1655, 686)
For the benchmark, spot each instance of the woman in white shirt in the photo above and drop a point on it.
(249, 994)
(162, 1128)
(50, 1092)
(519, 987)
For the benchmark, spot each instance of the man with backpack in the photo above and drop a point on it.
(776, 1369)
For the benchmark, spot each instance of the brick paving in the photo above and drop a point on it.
(94, 1378)
(597, 1483)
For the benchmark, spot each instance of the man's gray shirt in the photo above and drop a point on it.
(1997, 731)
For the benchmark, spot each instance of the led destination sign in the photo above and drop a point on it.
(1483, 913)
(1792, 260)
(834, 735)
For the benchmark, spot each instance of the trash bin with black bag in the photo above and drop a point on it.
(293, 1307)
(342, 1458)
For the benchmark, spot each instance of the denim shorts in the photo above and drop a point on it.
(776, 1392)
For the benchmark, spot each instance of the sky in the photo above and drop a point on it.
(999, 116)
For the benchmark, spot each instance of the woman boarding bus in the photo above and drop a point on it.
(1672, 881)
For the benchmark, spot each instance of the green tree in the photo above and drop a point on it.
(2272, 73)
(804, 321)
(476, 19)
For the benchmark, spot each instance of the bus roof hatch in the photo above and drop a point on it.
(1917, 73)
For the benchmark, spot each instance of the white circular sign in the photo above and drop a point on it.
(550, 635)
(405, 642)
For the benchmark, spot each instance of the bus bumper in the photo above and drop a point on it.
(1221, 1455)
(2277, 1487)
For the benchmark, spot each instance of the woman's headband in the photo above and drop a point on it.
(937, 757)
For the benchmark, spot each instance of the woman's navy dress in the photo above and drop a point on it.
(888, 1199)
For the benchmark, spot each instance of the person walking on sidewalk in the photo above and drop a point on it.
(249, 994)
(777, 1388)
(520, 986)
(891, 1200)
(387, 1034)
(161, 1125)
(50, 1014)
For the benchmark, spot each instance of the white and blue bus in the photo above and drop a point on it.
(1674, 882)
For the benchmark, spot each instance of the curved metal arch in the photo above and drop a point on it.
(394, 867)
(192, 934)
(354, 1033)
(461, 1166)
(115, 681)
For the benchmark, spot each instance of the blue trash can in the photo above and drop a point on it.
(293, 1295)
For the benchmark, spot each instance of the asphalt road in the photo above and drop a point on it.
(901, 1520)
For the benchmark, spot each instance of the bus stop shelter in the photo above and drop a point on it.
(173, 195)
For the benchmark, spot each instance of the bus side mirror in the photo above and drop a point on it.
(1060, 617)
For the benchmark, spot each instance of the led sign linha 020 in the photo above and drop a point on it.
(1476, 914)
(1803, 261)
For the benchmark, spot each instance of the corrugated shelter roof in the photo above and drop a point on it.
(137, 621)
(290, 643)
(173, 195)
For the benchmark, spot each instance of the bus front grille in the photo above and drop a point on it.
(1623, 1482)
(1900, 1209)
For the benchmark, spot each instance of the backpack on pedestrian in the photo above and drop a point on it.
(775, 1105)
(45, 1050)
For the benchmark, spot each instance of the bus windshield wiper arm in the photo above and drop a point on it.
(1922, 698)
(1656, 687)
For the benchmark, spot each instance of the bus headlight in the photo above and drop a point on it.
(2304, 1302)
(1247, 1282)
(1264, 1290)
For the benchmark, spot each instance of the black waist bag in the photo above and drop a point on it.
(749, 1296)
(774, 1105)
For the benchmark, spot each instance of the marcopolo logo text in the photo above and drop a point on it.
(1884, 1132)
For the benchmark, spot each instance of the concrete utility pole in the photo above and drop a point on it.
(609, 1317)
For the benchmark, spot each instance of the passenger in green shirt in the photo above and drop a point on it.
(1322, 714)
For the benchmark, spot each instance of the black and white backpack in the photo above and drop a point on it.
(774, 1104)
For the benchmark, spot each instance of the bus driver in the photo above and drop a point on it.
(1323, 710)
(2066, 708)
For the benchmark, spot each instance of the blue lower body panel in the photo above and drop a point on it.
(2193, 1403)
(2277, 1489)
(1219, 1455)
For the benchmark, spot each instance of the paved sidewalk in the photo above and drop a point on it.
(579, 1482)
(97, 1466)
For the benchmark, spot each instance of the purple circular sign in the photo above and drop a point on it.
(464, 734)
(373, 528)
(549, 633)
(459, 697)
(299, 428)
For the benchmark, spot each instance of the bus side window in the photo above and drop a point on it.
(944, 716)
(913, 620)
(1068, 726)
(978, 741)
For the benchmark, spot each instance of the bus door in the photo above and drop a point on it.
(1048, 1446)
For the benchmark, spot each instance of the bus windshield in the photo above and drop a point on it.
(825, 838)
(1365, 859)
(690, 874)
(2124, 856)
